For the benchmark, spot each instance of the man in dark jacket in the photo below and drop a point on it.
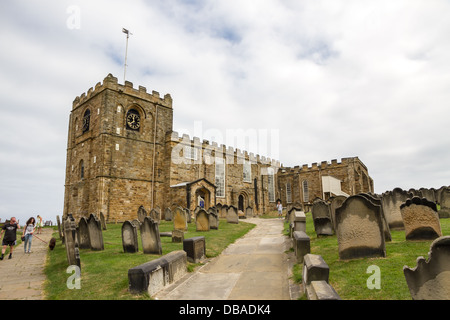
(10, 230)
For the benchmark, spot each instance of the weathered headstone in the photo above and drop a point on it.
(151, 241)
(223, 211)
(249, 212)
(154, 214)
(129, 237)
(314, 269)
(377, 201)
(359, 229)
(202, 220)
(444, 212)
(83, 234)
(430, 279)
(142, 213)
(168, 214)
(421, 219)
(177, 236)
(179, 219)
(335, 203)
(59, 227)
(213, 219)
(195, 249)
(70, 241)
(187, 211)
(103, 221)
(322, 218)
(95, 233)
(232, 215)
(391, 202)
(302, 245)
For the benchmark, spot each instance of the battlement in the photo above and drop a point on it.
(111, 82)
(322, 166)
(222, 149)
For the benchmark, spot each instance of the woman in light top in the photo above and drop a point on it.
(28, 231)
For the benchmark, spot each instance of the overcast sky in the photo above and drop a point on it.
(315, 80)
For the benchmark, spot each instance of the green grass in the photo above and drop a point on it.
(349, 278)
(104, 274)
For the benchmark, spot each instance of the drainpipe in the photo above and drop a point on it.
(154, 155)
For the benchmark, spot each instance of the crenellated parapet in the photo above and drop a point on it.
(110, 82)
(231, 154)
(324, 165)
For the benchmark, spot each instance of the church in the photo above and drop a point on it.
(122, 153)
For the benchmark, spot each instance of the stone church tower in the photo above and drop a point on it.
(115, 150)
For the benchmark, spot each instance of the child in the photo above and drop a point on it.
(280, 209)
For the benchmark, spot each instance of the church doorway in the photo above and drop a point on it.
(202, 198)
(241, 201)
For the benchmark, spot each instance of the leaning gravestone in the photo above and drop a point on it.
(335, 203)
(95, 233)
(359, 229)
(430, 279)
(421, 219)
(213, 219)
(391, 202)
(103, 221)
(129, 237)
(83, 234)
(202, 220)
(168, 214)
(151, 241)
(179, 219)
(154, 214)
(70, 241)
(445, 203)
(377, 201)
(322, 218)
(141, 214)
(232, 215)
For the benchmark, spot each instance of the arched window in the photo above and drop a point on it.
(305, 191)
(81, 169)
(86, 120)
(133, 120)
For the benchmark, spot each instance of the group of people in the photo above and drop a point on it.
(10, 231)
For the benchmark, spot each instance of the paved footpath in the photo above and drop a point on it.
(22, 277)
(255, 267)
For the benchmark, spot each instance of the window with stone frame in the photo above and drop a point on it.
(271, 184)
(81, 169)
(288, 193)
(220, 177)
(305, 191)
(190, 153)
(247, 171)
(86, 120)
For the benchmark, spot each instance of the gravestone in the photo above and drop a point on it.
(421, 219)
(168, 214)
(377, 201)
(444, 212)
(177, 236)
(151, 241)
(219, 209)
(223, 211)
(179, 219)
(83, 234)
(188, 215)
(391, 202)
(359, 229)
(302, 245)
(427, 194)
(322, 218)
(136, 223)
(155, 215)
(249, 212)
(232, 215)
(103, 221)
(430, 279)
(59, 227)
(129, 237)
(335, 203)
(202, 220)
(213, 219)
(195, 249)
(314, 269)
(70, 241)
(95, 233)
(299, 221)
(141, 214)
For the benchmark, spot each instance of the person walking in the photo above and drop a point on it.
(10, 230)
(39, 224)
(28, 234)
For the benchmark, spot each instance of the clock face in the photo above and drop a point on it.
(133, 121)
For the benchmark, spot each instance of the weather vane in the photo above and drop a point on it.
(128, 33)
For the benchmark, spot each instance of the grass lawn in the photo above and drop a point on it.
(104, 274)
(349, 278)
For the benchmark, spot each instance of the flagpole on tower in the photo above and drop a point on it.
(128, 33)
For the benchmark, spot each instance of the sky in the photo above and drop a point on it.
(311, 81)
